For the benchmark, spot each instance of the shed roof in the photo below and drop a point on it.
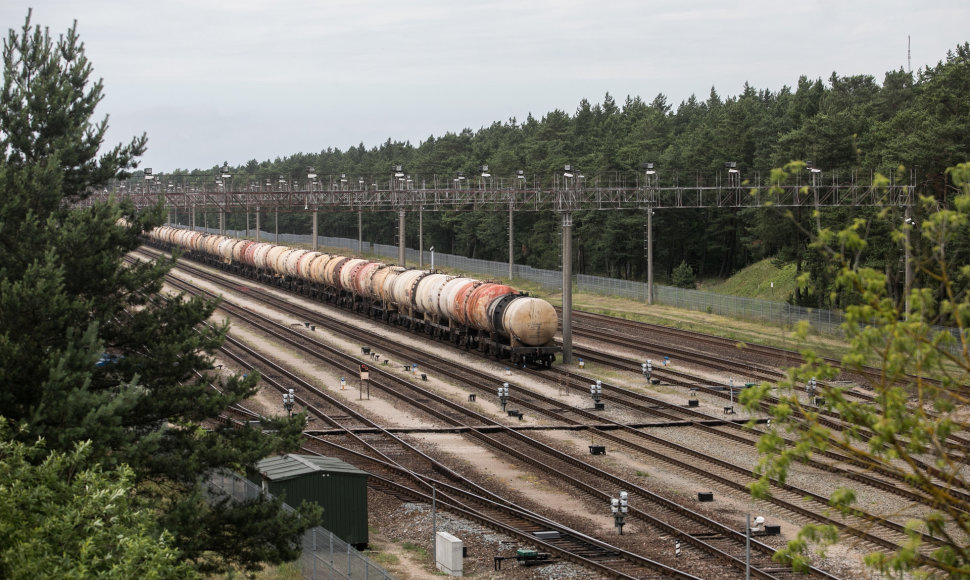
(291, 465)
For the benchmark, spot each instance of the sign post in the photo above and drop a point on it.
(364, 376)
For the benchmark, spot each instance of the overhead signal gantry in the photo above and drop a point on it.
(564, 192)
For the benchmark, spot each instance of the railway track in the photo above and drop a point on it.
(385, 458)
(885, 480)
(688, 537)
(825, 417)
(422, 365)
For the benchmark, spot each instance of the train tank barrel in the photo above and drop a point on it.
(383, 282)
(403, 285)
(225, 248)
(191, 239)
(531, 321)
(347, 273)
(239, 250)
(331, 274)
(363, 274)
(272, 258)
(212, 244)
(427, 291)
(462, 296)
(260, 254)
(303, 265)
(317, 268)
(476, 308)
(450, 292)
(291, 262)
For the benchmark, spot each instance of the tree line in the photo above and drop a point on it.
(845, 124)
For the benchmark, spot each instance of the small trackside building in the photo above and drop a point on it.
(336, 486)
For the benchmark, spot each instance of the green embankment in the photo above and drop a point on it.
(763, 280)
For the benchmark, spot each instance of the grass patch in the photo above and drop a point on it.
(732, 328)
(383, 559)
(415, 549)
(285, 571)
(763, 280)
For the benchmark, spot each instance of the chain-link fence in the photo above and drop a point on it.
(769, 312)
(325, 556)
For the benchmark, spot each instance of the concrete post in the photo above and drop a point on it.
(315, 215)
(649, 255)
(567, 287)
(511, 233)
(400, 239)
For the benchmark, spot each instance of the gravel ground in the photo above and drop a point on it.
(395, 523)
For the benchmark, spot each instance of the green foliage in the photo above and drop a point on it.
(768, 279)
(62, 516)
(66, 297)
(683, 276)
(920, 396)
(850, 126)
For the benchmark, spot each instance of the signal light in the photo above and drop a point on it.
(363, 368)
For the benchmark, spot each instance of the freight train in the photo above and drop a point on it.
(491, 318)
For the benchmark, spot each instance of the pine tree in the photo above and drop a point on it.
(67, 297)
(61, 517)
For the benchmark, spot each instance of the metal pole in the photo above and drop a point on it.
(747, 548)
(511, 233)
(421, 238)
(908, 283)
(567, 287)
(649, 255)
(277, 221)
(400, 239)
(434, 522)
(314, 246)
(360, 232)
(258, 226)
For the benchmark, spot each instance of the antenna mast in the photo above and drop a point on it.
(909, 54)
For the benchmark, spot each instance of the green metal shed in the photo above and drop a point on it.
(338, 487)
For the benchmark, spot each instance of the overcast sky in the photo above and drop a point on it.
(233, 80)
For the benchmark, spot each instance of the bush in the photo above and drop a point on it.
(683, 276)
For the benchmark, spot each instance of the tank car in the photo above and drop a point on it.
(494, 319)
